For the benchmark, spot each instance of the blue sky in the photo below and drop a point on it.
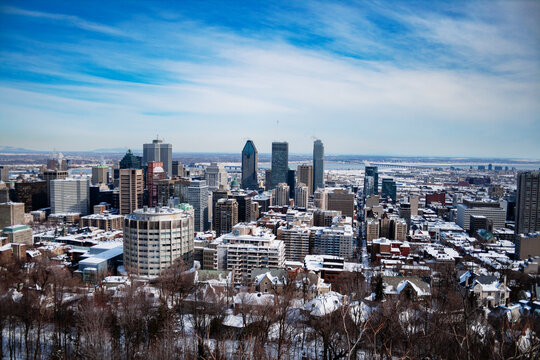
(400, 78)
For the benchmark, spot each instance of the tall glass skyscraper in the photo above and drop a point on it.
(250, 163)
(280, 162)
(318, 165)
(371, 171)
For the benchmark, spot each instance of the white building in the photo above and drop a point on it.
(155, 237)
(296, 240)
(70, 195)
(301, 193)
(494, 213)
(198, 198)
(216, 176)
(249, 247)
(336, 240)
(280, 195)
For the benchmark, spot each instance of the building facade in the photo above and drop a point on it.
(250, 164)
(301, 195)
(305, 176)
(528, 202)
(131, 190)
(158, 151)
(198, 198)
(70, 195)
(154, 238)
(216, 176)
(280, 163)
(226, 216)
(318, 165)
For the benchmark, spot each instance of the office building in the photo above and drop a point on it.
(4, 173)
(318, 165)
(104, 221)
(19, 234)
(198, 198)
(178, 169)
(100, 174)
(369, 186)
(281, 195)
(301, 195)
(268, 179)
(291, 181)
(528, 202)
(320, 199)
(131, 186)
(372, 171)
(492, 210)
(296, 240)
(280, 163)
(250, 165)
(154, 173)
(389, 190)
(175, 188)
(160, 152)
(245, 205)
(216, 176)
(336, 240)
(246, 248)
(4, 192)
(342, 200)
(154, 238)
(33, 194)
(305, 176)
(50, 175)
(70, 195)
(400, 229)
(413, 201)
(11, 213)
(226, 216)
(130, 161)
(372, 229)
(528, 245)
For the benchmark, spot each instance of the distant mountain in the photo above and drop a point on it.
(16, 150)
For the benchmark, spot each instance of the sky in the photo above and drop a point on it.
(380, 78)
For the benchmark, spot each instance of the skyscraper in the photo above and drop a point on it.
(291, 181)
(158, 151)
(250, 163)
(216, 176)
(305, 176)
(131, 184)
(372, 171)
(388, 189)
(70, 195)
(130, 161)
(280, 163)
(301, 195)
(100, 174)
(226, 216)
(281, 195)
(198, 198)
(528, 202)
(318, 166)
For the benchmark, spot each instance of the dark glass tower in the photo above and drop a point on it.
(280, 163)
(130, 161)
(291, 181)
(389, 189)
(318, 165)
(372, 171)
(250, 163)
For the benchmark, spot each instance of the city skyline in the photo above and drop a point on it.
(364, 78)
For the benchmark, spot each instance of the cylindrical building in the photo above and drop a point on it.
(155, 237)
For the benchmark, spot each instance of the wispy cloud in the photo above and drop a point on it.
(378, 81)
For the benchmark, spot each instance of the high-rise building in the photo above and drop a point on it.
(4, 192)
(249, 247)
(33, 194)
(280, 163)
(11, 213)
(130, 161)
(342, 200)
(268, 179)
(492, 210)
(158, 151)
(318, 165)
(154, 173)
(154, 238)
(50, 175)
(4, 173)
(70, 195)
(413, 200)
(216, 176)
(301, 195)
(178, 169)
(400, 229)
(296, 240)
(281, 195)
(131, 185)
(245, 207)
(291, 181)
(100, 174)
(198, 198)
(336, 240)
(320, 199)
(528, 202)
(372, 171)
(389, 189)
(305, 176)
(250, 164)
(372, 229)
(176, 188)
(226, 216)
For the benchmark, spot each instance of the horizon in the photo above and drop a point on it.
(454, 79)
